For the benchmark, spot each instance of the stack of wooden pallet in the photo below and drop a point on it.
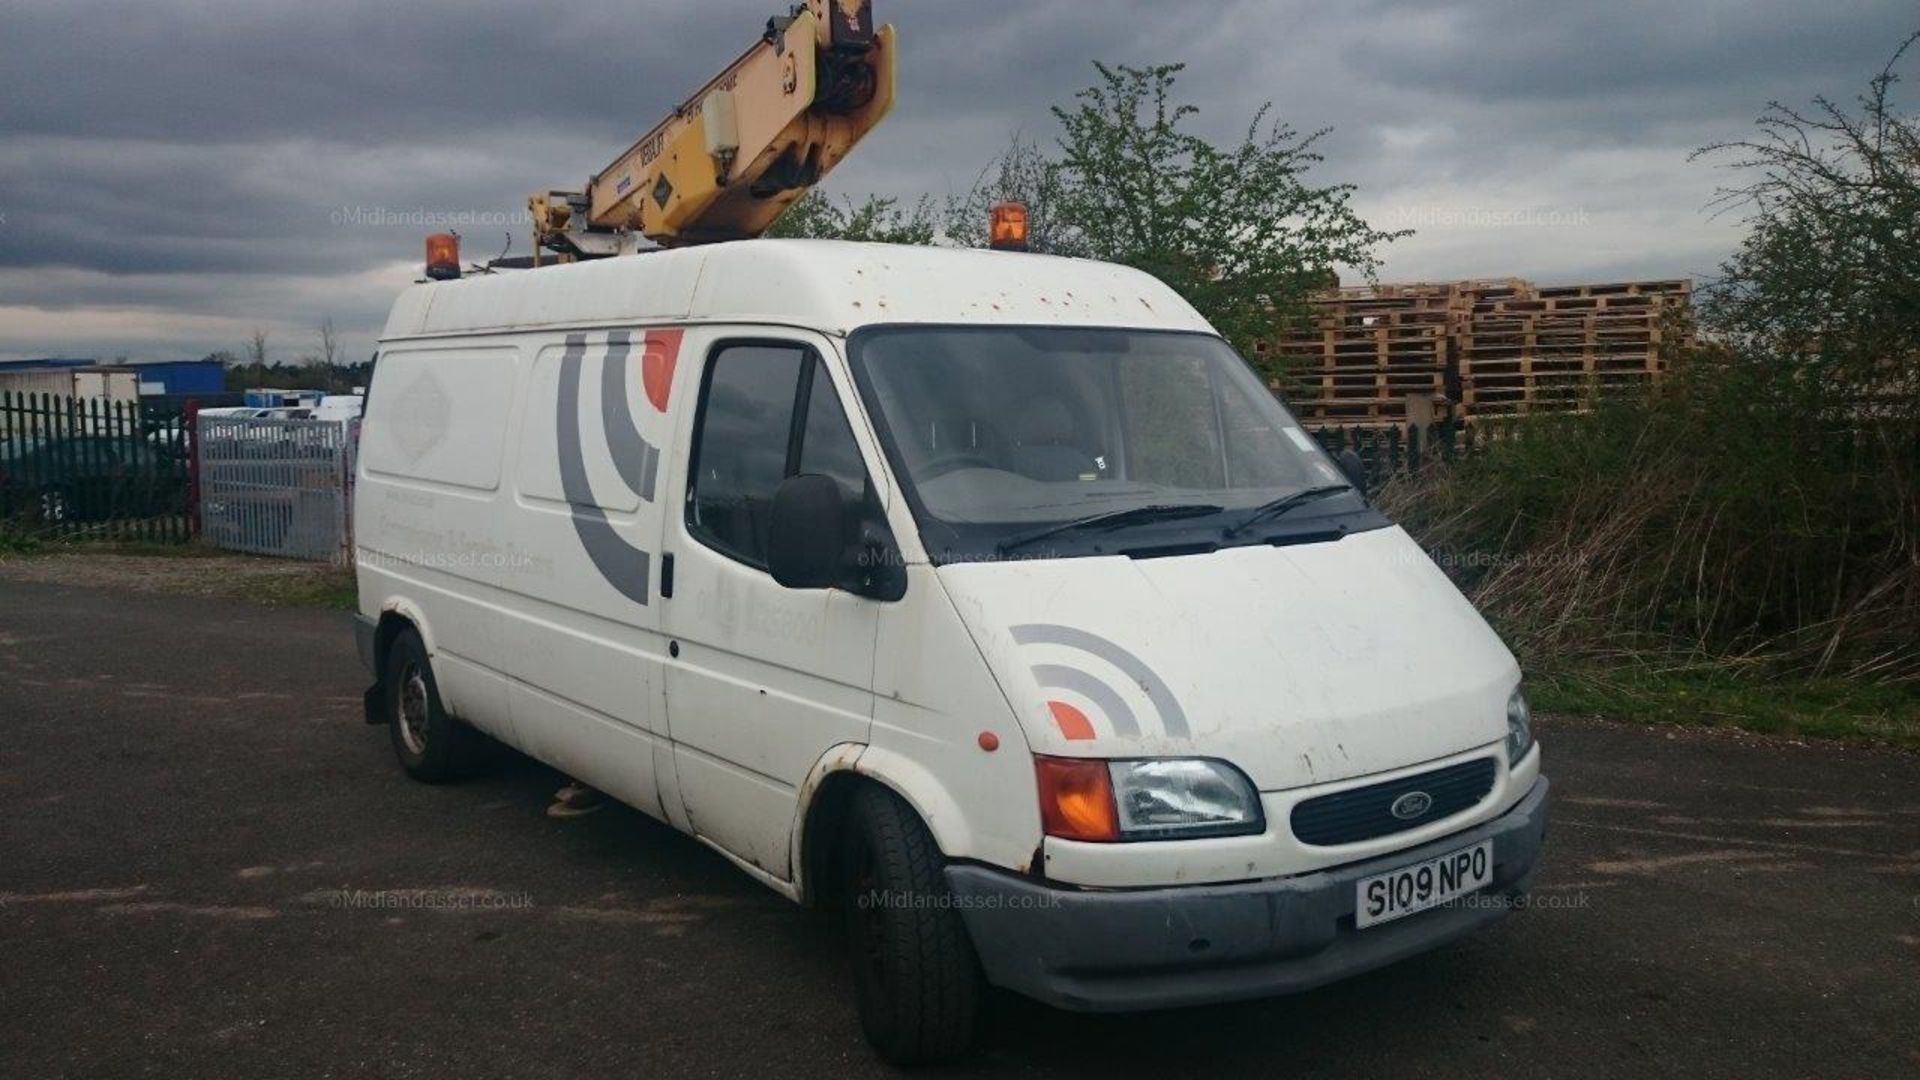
(1487, 348)
(1366, 350)
(1557, 347)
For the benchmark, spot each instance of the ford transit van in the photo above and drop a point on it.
(988, 598)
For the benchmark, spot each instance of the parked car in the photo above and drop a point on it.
(88, 478)
(989, 598)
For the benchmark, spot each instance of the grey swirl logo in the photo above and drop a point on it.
(625, 566)
(1073, 723)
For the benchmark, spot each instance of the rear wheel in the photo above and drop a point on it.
(431, 745)
(915, 973)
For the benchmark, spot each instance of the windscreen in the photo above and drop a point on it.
(1001, 432)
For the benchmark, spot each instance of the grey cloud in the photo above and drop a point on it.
(222, 165)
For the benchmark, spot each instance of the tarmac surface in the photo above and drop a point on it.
(209, 867)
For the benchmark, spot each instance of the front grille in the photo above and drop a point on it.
(1364, 813)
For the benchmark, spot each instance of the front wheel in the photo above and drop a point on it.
(915, 973)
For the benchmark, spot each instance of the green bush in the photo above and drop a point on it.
(1722, 518)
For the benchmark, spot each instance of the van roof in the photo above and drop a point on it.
(827, 285)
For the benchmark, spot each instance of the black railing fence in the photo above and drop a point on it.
(83, 468)
(1388, 451)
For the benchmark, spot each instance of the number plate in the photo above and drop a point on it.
(1399, 893)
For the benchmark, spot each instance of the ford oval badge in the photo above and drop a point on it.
(1412, 805)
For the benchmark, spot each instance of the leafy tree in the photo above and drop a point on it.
(877, 220)
(1827, 283)
(1757, 513)
(1023, 174)
(1238, 230)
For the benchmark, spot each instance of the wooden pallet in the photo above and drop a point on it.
(1497, 346)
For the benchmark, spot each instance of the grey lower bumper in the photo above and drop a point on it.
(1113, 951)
(363, 634)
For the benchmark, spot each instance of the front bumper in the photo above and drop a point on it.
(1121, 950)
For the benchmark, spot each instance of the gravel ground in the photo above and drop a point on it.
(210, 867)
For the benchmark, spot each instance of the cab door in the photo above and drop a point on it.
(761, 680)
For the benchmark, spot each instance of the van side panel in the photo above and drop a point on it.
(431, 454)
(501, 499)
(587, 688)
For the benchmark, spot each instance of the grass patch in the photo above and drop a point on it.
(332, 588)
(185, 569)
(1841, 709)
(189, 550)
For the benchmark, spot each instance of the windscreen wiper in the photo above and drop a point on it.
(1277, 507)
(1110, 520)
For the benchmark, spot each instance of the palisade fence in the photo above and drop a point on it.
(84, 469)
(276, 487)
(1388, 451)
(89, 469)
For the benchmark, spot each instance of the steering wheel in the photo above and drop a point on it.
(947, 463)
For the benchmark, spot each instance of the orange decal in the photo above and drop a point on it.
(1073, 723)
(656, 365)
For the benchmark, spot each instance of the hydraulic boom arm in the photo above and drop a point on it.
(730, 160)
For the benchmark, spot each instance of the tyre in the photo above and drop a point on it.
(915, 973)
(432, 746)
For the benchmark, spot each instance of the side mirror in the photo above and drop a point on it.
(807, 533)
(1355, 469)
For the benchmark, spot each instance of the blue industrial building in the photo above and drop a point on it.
(167, 378)
(177, 377)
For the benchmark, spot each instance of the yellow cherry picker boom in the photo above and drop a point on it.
(730, 160)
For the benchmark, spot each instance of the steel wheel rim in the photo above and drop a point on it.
(413, 709)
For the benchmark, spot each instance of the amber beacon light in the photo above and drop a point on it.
(1009, 228)
(443, 256)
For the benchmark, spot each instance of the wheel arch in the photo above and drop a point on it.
(397, 614)
(828, 794)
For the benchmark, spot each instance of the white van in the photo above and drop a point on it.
(339, 408)
(989, 597)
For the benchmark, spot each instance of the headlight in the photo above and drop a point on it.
(1519, 727)
(1145, 799)
(1174, 797)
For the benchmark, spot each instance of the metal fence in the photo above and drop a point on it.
(84, 468)
(1388, 451)
(276, 487)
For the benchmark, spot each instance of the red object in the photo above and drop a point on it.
(190, 440)
(989, 741)
(1073, 723)
(657, 361)
(1076, 799)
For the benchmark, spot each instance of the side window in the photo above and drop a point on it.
(826, 444)
(746, 431)
(769, 412)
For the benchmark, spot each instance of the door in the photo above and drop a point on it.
(766, 679)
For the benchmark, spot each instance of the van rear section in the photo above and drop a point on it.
(989, 599)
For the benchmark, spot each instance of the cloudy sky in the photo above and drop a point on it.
(176, 173)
